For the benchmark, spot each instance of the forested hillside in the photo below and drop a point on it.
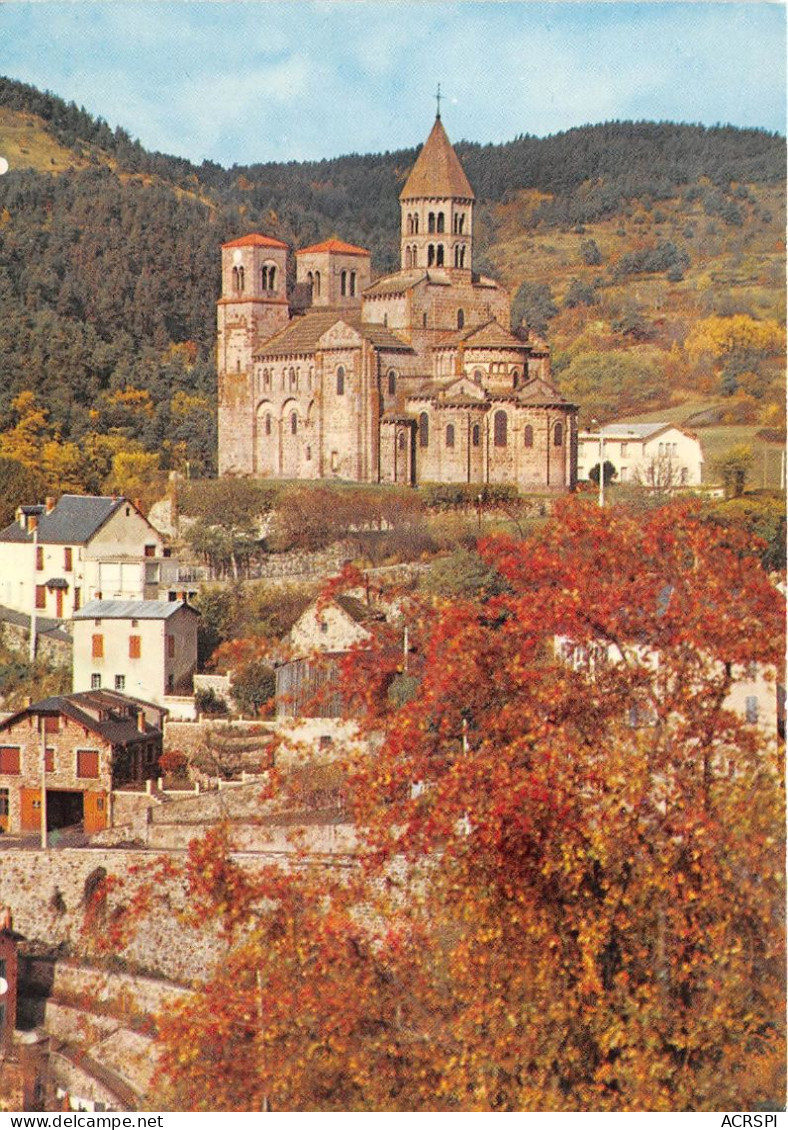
(651, 255)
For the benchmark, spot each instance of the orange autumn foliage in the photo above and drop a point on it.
(568, 889)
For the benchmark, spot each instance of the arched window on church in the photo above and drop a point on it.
(424, 320)
(424, 430)
(478, 376)
(431, 223)
(268, 423)
(392, 382)
(343, 283)
(499, 429)
(408, 258)
(340, 381)
(450, 435)
(528, 435)
(476, 435)
(293, 423)
(558, 436)
(352, 284)
(268, 276)
(431, 255)
(459, 256)
(293, 381)
(415, 223)
(440, 226)
(401, 441)
(415, 256)
(460, 319)
(439, 256)
(515, 377)
(316, 290)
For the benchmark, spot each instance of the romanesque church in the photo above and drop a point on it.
(409, 378)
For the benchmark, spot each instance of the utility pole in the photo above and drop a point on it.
(43, 733)
(34, 520)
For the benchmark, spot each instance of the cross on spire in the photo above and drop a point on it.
(438, 96)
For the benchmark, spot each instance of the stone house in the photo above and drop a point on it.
(659, 455)
(59, 555)
(80, 748)
(146, 648)
(408, 378)
(308, 681)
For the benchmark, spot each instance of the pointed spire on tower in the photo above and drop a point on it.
(438, 96)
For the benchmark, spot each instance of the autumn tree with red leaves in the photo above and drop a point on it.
(569, 887)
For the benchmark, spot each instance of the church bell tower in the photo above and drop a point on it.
(437, 209)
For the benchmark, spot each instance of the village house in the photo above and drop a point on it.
(660, 456)
(59, 555)
(145, 648)
(308, 681)
(408, 378)
(80, 748)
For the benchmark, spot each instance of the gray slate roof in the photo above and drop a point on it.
(117, 714)
(45, 625)
(131, 609)
(73, 521)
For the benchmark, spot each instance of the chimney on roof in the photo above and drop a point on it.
(6, 920)
(141, 721)
(32, 522)
(50, 504)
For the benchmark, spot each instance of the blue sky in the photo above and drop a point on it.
(269, 80)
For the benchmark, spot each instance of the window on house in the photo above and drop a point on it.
(150, 550)
(450, 435)
(39, 557)
(4, 810)
(41, 596)
(424, 430)
(9, 759)
(120, 682)
(49, 760)
(77, 599)
(95, 681)
(52, 724)
(500, 424)
(528, 435)
(68, 559)
(340, 381)
(87, 763)
(97, 650)
(392, 382)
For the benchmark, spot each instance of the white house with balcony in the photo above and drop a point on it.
(658, 455)
(57, 556)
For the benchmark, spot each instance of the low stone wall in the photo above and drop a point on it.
(46, 891)
(319, 839)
